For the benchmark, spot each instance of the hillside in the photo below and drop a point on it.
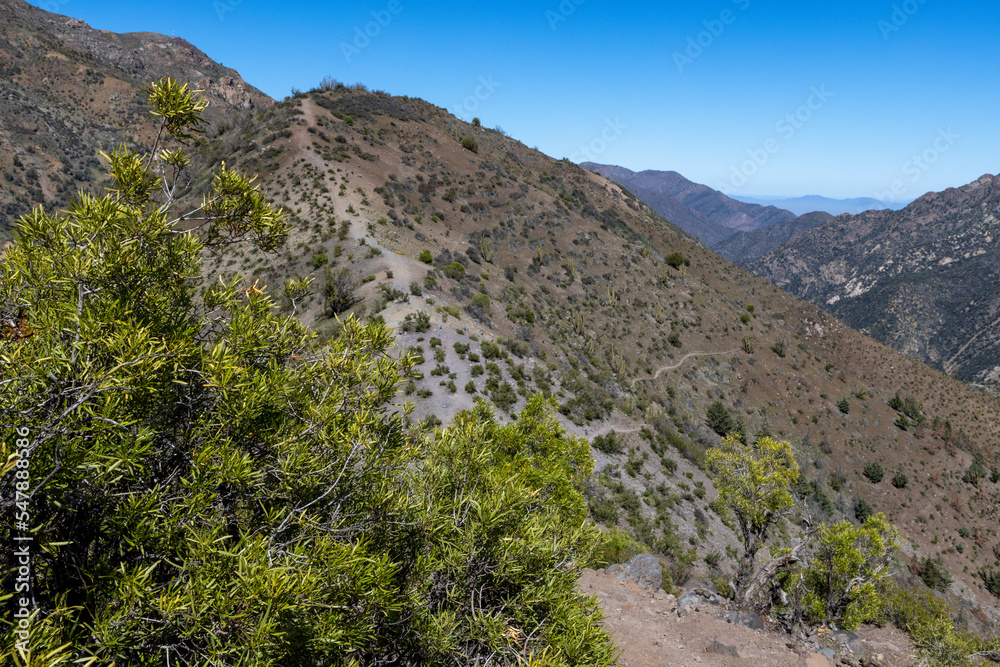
(923, 280)
(68, 91)
(545, 277)
(744, 246)
(675, 198)
(508, 273)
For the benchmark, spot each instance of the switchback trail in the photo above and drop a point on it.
(683, 359)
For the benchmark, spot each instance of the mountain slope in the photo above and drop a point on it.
(744, 246)
(924, 280)
(727, 215)
(510, 273)
(68, 91)
(546, 277)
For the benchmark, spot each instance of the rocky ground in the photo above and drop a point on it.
(656, 629)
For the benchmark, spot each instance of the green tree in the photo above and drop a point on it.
(846, 569)
(753, 482)
(210, 485)
(719, 419)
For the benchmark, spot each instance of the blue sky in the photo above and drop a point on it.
(754, 97)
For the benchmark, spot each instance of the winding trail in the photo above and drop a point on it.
(679, 363)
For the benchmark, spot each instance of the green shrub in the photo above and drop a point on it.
(426, 257)
(862, 509)
(991, 579)
(844, 405)
(844, 575)
(419, 322)
(454, 270)
(609, 443)
(874, 472)
(934, 575)
(482, 302)
(674, 259)
(719, 419)
(319, 260)
(900, 480)
(181, 502)
(470, 144)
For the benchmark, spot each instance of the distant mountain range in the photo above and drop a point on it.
(811, 203)
(699, 210)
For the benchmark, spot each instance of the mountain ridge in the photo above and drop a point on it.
(664, 190)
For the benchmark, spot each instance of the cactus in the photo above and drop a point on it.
(748, 345)
(578, 323)
(487, 250)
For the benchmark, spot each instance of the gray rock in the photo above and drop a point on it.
(849, 640)
(747, 619)
(643, 570)
(828, 652)
(714, 646)
(690, 602)
(646, 572)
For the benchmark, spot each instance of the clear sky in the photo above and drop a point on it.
(754, 97)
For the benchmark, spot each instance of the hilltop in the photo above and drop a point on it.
(68, 91)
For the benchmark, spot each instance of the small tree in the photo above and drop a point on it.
(844, 405)
(846, 568)
(754, 484)
(719, 419)
(874, 472)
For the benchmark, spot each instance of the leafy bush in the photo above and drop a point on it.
(991, 579)
(844, 574)
(419, 322)
(470, 144)
(319, 260)
(900, 480)
(976, 471)
(609, 443)
(862, 509)
(844, 405)
(454, 270)
(934, 575)
(874, 472)
(674, 259)
(426, 257)
(753, 484)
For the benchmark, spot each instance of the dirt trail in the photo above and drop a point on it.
(679, 363)
(651, 634)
